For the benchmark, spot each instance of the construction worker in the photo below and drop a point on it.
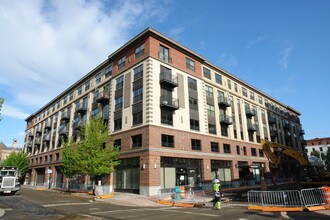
(217, 194)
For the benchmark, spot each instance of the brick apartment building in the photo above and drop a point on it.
(179, 119)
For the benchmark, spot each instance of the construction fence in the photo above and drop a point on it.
(290, 200)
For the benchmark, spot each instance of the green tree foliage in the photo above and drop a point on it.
(92, 155)
(19, 160)
(315, 153)
(2, 100)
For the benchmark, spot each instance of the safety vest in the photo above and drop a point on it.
(216, 189)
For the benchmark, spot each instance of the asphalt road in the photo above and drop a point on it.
(32, 204)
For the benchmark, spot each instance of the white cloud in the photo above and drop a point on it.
(285, 53)
(255, 41)
(11, 111)
(174, 32)
(228, 61)
(48, 45)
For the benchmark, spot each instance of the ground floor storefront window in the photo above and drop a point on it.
(221, 169)
(128, 175)
(180, 172)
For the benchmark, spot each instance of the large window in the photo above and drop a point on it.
(137, 118)
(164, 54)
(212, 129)
(192, 83)
(87, 85)
(108, 71)
(117, 124)
(139, 51)
(207, 73)
(118, 103)
(121, 62)
(193, 103)
(196, 144)
(190, 64)
(253, 152)
(79, 90)
(167, 140)
(209, 91)
(98, 78)
(119, 82)
(214, 147)
(218, 78)
(244, 91)
(210, 110)
(138, 95)
(194, 124)
(138, 72)
(166, 117)
(226, 148)
(137, 140)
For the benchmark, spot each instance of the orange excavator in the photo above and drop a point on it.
(308, 174)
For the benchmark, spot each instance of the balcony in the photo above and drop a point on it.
(31, 135)
(273, 133)
(46, 138)
(169, 103)
(77, 125)
(168, 80)
(65, 116)
(81, 109)
(286, 125)
(39, 131)
(227, 120)
(37, 141)
(103, 98)
(48, 125)
(64, 131)
(223, 102)
(301, 131)
(252, 127)
(250, 112)
(271, 120)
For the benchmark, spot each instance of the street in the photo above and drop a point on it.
(51, 204)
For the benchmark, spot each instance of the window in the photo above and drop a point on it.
(79, 90)
(138, 95)
(138, 72)
(235, 87)
(229, 84)
(244, 151)
(167, 140)
(117, 143)
(117, 124)
(137, 118)
(164, 54)
(207, 73)
(196, 144)
(192, 83)
(190, 64)
(260, 99)
(118, 103)
(194, 124)
(121, 62)
(139, 51)
(212, 129)
(238, 150)
(193, 103)
(166, 117)
(244, 91)
(119, 82)
(261, 153)
(71, 96)
(210, 110)
(64, 100)
(137, 140)
(218, 78)
(87, 85)
(251, 95)
(214, 147)
(253, 152)
(98, 78)
(209, 91)
(108, 71)
(226, 148)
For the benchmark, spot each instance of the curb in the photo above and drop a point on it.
(2, 212)
(186, 205)
(107, 196)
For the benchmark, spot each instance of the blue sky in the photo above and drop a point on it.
(280, 47)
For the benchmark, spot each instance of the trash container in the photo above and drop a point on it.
(177, 192)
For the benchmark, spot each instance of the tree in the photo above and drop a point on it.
(19, 160)
(2, 100)
(93, 155)
(315, 153)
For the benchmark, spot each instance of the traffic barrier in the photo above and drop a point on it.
(289, 200)
(182, 192)
(326, 194)
(316, 198)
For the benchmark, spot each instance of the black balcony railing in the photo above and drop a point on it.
(103, 98)
(224, 119)
(81, 108)
(169, 103)
(168, 80)
(252, 127)
(64, 131)
(224, 102)
(250, 112)
(65, 116)
(46, 138)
